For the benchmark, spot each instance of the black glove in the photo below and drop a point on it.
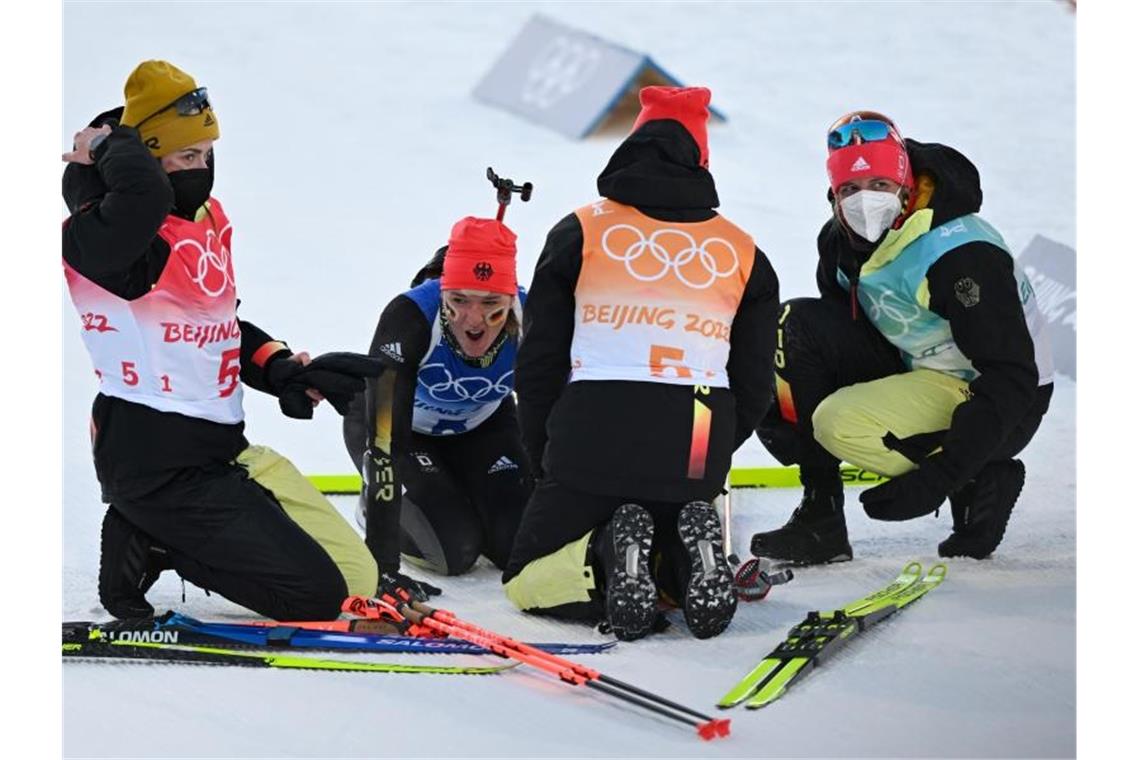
(279, 373)
(392, 583)
(338, 376)
(914, 494)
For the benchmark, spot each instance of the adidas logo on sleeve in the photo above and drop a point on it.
(392, 351)
(502, 463)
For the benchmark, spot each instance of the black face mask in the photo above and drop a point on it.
(191, 189)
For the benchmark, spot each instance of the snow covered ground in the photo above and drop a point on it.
(350, 145)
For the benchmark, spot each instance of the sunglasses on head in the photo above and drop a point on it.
(190, 104)
(859, 132)
(860, 127)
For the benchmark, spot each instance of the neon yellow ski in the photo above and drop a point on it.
(824, 640)
(820, 632)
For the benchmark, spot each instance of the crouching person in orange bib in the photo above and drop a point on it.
(647, 348)
(146, 254)
(925, 358)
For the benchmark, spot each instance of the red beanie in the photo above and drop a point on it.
(480, 256)
(882, 158)
(688, 105)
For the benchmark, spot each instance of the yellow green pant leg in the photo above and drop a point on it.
(560, 578)
(316, 515)
(851, 422)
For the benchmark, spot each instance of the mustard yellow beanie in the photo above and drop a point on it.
(152, 87)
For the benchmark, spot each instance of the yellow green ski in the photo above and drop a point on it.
(821, 634)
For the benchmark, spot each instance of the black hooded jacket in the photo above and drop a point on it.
(628, 438)
(991, 333)
(117, 205)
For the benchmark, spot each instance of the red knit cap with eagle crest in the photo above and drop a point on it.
(480, 256)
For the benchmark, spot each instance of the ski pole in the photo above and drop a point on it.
(725, 510)
(448, 623)
(583, 671)
(570, 672)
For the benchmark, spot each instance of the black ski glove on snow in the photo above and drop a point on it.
(338, 376)
(913, 494)
(392, 583)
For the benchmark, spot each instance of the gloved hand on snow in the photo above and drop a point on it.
(392, 583)
(913, 494)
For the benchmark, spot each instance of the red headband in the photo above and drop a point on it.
(882, 158)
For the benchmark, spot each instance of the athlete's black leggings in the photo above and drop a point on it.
(226, 533)
(463, 493)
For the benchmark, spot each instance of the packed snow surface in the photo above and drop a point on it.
(350, 144)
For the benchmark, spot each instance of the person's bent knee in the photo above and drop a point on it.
(827, 423)
(848, 432)
(840, 427)
(460, 559)
(320, 597)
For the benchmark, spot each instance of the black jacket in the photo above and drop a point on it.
(117, 205)
(627, 438)
(992, 333)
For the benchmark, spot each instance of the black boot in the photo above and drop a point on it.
(815, 534)
(710, 601)
(981, 510)
(622, 548)
(129, 564)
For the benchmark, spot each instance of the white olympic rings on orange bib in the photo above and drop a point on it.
(701, 256)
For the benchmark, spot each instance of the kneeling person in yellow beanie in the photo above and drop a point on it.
(146, 254)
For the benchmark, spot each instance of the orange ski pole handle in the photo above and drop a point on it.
(383, 610)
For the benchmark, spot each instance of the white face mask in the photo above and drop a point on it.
(870, 212)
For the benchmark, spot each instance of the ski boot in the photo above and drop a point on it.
(981, 510)
(815, 534)
(622, 547)
(710, 601)
(129, 564)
